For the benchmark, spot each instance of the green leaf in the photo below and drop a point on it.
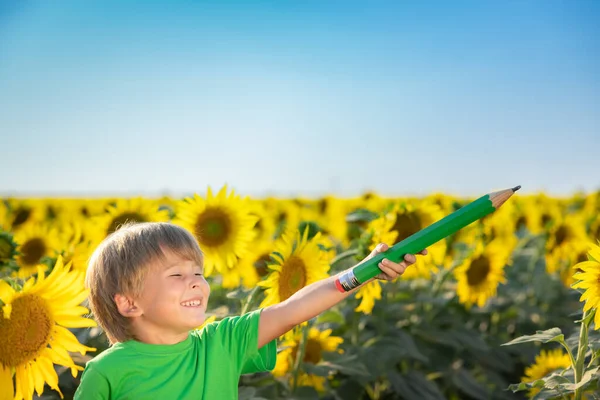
(361, 215)
(305, 393)
(246, 392)
(469, 340)
(414, 385)
(587, 376)
(238, 294)
(550, 335)
(331, 316)
(517, 387)
(556, 380)
(400, 346)
(318, 369)
(354, 369)
(469, 385)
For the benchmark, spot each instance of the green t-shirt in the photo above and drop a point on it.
(207, 365)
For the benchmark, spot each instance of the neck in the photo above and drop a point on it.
(152, 334)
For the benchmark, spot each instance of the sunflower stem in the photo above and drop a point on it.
(581, 352)
(343, 256)
(300, 357)
(249, 300)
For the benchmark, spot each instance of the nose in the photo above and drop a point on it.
(196, 281)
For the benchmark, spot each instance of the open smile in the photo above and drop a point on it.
(192, 303)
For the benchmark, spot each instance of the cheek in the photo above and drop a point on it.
(206, 289)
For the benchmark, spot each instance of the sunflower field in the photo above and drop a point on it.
(504, 309)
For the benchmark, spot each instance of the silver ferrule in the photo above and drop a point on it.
(348, 280)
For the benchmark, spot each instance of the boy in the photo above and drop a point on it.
(148, 294)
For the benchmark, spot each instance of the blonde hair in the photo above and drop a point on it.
(120, 263)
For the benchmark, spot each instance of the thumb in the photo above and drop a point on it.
(380, 248)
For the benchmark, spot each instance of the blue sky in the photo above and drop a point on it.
(299, 98)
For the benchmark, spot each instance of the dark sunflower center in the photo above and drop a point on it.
(27, 332)
(406, 225)
(6, 249)
(259, 227)
(32, 251)
(581, 257)
(562, 234)
(21, 216)
(261, 264)
(478, 271)
(313, 351)
(51, 212)
(521, 222)
(322, 206)
(293, 277)
(124, 218)
(546, 218)
(213, 227)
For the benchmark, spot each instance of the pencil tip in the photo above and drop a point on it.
(516, 188)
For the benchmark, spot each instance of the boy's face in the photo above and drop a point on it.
(175, 296)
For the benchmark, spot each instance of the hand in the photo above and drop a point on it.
(389, 269)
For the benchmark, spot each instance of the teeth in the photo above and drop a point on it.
(193, 303)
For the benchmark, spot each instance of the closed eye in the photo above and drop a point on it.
(198, 274)
(175, 275)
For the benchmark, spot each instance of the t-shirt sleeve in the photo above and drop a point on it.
(93, 385)
(241, 338)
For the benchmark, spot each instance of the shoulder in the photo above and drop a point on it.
(109, 359)
(229, 324)
(231, 329)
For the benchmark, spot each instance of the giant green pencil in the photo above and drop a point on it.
(435, 232)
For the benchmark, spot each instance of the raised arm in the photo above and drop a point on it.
(313, 299)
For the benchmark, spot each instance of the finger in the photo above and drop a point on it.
(388, 272)
(380, 248)
(397, 268)
(423, 252)
(410, 259)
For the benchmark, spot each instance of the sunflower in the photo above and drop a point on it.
(561, 238)
(368, 294)
(404, 220)
(592, 203)
(589, 280)
(44, 309)
(8, 251)
(459, 243)
(23, 212)
(549, 212)
(298, 262)
(317, 343)
(265, 227)
(594, 228)
(545, 363)
(222, 224)
(500, 225)
(3, 216)
(574, 254)
(127, 210)
(446, 203)
(536, 215)
(254, 266)
(479, 275)
(285, 213)
(35, 242)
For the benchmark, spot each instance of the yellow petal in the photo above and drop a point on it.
(6, 384)
(6, 292)
(7, 309)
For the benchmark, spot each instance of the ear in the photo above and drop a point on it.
(127, 306)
